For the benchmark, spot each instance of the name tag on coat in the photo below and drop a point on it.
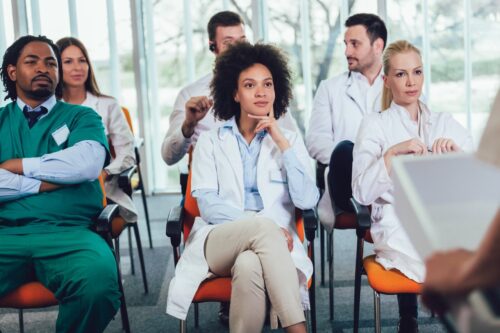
(278, 176)
(61, 135)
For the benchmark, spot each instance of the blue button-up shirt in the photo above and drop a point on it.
(249, 156)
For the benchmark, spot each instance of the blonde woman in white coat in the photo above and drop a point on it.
(247, 177)
(80, 87)
(406, 126)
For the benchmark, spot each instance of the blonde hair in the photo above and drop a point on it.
(398, 47)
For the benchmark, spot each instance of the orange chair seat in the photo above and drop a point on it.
(29, 295)
(388, 281)
(214, 290)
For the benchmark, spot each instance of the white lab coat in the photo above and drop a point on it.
(119, 134)
(372, 185)
(217, 165)
(175, 145)
(339, 106)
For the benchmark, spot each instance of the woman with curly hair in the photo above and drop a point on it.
(248, 176)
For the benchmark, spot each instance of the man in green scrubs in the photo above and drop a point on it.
(51, 154)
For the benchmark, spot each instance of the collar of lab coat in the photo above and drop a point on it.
(91, 100)
(231, 126)
(404, 114)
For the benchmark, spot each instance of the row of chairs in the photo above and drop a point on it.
(391, 282)
(110, 226)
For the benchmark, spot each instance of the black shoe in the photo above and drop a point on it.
(224, 313)
(407, 324)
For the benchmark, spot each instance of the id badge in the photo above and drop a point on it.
(61, 135)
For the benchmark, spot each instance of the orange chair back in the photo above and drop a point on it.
(190, 210)
(299, 224)
(101, 182)
(126, 113)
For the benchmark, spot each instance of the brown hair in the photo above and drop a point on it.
(398, 47)
(91, 83)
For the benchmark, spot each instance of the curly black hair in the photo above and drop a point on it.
(238, 58)
(12, 55)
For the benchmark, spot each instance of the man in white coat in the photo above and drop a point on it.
(339, 106)
(189, 117)
(192, 112)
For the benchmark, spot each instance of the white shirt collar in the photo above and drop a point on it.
(48, 103)
(360, 77)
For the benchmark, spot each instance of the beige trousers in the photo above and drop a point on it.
(254, 252)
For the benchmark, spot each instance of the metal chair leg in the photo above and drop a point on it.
(312, 290)
(357, 282)
(307, 314)
(182, 326)
(196, 315)
(117, 251)
(123, 303)
(131, 251)
(376, 299)
(322, 253)
(331, 288)
(21, 321)
(123, 306)
(145, 205)
(141, 257)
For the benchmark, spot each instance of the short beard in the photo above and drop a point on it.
(41, 94)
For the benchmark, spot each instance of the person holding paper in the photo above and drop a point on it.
(458, 272)
(406, 126)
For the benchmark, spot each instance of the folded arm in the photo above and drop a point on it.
(14, 186)
(76, 164)
(215, 210)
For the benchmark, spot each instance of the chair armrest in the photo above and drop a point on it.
(363, 217)
(310, 223)
(174, 227)
(103, 222)
(124, 179)
(320, 175)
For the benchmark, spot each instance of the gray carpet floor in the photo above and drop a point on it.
(147, 311)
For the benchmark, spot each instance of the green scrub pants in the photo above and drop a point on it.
(76, 265)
